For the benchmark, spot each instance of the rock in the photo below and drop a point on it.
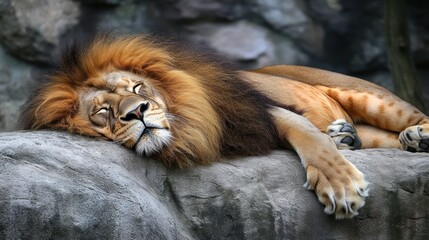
(129, 16)
(32, 29)
(278, 13)
(59, 186)
(240, 42)
(62, 195)
(332, 13)
(368, 48)
(193, 9)
(287, 51)
(9, 114)
(102, 2)
(419, 32)
(353, 33)
(309, 36)
(289, 18)
(15, 77)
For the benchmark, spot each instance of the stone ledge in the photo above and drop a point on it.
(56, 185)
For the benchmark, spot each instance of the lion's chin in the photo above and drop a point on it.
(152, 141)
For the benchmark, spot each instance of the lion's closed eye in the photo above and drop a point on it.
(100, 117)
(137, 88)
(102, 111)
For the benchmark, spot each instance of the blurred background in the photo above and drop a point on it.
(340, 35)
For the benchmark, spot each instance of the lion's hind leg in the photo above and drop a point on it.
(381, 109)
(373, 137)
(352, 137)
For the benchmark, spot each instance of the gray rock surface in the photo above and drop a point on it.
(59, 186)
(194, 9)
(280, 14)
(240, 42)
(32, 29)
(15, 76)
(102, 2)
(129, 16)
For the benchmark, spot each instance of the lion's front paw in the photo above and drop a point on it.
(415, 138)
(342, 188)
(344, 135)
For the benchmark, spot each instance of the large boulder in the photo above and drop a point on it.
(32, 29)
(58, 186)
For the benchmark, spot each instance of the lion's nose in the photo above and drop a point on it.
(137, 113)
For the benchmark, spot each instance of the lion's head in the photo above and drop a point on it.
(154, 99)
(129, 110)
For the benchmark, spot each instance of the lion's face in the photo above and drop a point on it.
(127, 110)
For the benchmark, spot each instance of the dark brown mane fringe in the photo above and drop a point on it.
(248, 128)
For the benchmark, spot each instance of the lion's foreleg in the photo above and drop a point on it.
(339, 185)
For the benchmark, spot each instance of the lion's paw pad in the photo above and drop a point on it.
(415, 138)
(344, 135)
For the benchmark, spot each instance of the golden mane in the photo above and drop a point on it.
(215, 112)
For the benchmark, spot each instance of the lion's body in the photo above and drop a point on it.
(323, 97)
(182, 109)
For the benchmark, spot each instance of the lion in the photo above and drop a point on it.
(182, 108)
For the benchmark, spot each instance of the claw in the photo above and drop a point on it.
(331, 209)
(346, 211)
(363, 191)
(306, 185)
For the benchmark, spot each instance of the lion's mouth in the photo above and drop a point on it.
(152, 140)
(151, 130)
(147, 131)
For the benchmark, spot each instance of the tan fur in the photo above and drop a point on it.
(373, 137)
(211, 112)
(339, 96)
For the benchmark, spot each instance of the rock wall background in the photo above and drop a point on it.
(339, 35)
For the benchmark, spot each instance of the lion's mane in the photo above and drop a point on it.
(216, 113)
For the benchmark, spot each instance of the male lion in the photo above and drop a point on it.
(183, 109)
